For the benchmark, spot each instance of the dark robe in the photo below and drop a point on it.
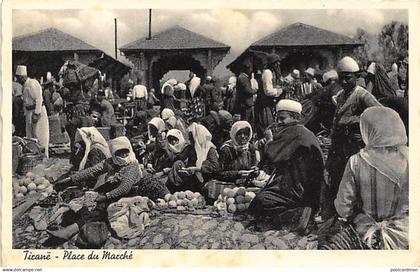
(244, 99)
(294, 158)
(218, 128)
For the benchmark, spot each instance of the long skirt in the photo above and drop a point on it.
(39, 130)
(264, 118)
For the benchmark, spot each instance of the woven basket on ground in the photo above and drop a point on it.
(28, 161)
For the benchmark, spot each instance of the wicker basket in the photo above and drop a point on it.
(16, 154)
(28, 161)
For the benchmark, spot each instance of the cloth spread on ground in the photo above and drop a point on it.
(129, 216)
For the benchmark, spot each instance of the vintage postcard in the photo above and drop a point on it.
(209, 133)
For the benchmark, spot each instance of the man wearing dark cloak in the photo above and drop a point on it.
(293, 157)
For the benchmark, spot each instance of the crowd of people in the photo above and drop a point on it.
(206, 138)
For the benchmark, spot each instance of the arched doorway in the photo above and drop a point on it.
(174, 62)
(303, 60)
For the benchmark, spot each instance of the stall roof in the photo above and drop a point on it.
(175, 38)
(300, 34)
(50, 39)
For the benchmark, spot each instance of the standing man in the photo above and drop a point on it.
(294, 158)
(309, 84)
(265, 102)
(36, 117)
(18, 115)
(212, 96)
(244, 95)
(140, 96)
(351, 101)
(107, 110)
(49, 89)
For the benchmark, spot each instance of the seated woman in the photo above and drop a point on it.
(192, 164)
(91, 148)
(173, 121)
(237, 158)
(373, 193)
(116, 177)
(156, 146)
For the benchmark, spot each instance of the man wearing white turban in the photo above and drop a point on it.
(37, 125)
(351, 101)
(293, 155)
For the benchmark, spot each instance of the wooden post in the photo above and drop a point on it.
(209, 69)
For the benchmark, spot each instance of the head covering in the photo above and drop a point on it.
(166, 113)
(331, 74)
(382, 86)
(272, 58)
(21, 70)
(295, 73)
(92, 139)
(194, 83)
(372, 68)
(225, 117)
(181, 86)
(232, 83)
(171, 82)
(310, 71)
(394, 68)
(202, 142)
(347, 64)
(158, 123)
(384, 134)
(181, 141)
(237, 126)
(120, 143)
(171, 121)
(48, 78)
(289, 105)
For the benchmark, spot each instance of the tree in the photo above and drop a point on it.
(393, 40)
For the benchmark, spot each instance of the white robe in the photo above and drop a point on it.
(32, 95)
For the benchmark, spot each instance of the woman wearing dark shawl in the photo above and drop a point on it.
(378, 82)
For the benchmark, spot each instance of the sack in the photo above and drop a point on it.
(129, 216)
(92, 235)
(75, 73)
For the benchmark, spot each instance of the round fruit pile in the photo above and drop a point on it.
(234, 200)
(182, 201)
(32, 184)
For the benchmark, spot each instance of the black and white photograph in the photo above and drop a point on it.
(210, 129)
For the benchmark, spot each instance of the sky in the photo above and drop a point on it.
(236, 28)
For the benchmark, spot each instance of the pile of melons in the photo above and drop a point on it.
(32, 184)
(182, 201)
(234, 200)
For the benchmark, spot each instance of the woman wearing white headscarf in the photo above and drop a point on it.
(200, 164)
(115, 175)
(230, 94)
(157, 144)
(238, 154)
(373, 193)
(92, 148)
(168, 94)
(237, 158)
(173, 121)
